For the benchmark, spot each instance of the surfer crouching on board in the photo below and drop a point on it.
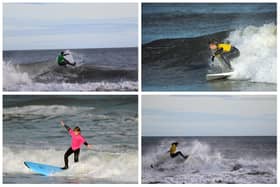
(77, 141)
(225, 50)
(62, 61)
(173, 152)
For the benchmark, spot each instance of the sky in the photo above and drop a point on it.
(69, 25)
(208, 115)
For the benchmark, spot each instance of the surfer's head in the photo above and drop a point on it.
(213, 44)
(77, 130)
(62, 52)
(175, 143)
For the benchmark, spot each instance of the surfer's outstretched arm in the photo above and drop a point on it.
(89, 146)
(63, 125)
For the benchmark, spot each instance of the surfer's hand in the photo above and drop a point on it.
(89, 146)
(212, 58)
(62, 123)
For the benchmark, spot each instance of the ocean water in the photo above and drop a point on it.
(109, 69)
(175, 55)
(230, 160)
(32, 132)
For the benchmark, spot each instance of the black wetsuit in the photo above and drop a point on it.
(70, 151)
(173, 155)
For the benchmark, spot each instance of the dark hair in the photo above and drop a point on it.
(175, 143)
(213, 41)
(62, 52)
(77, 129)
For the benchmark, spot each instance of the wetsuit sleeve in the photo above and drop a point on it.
(67, 127)
(219, 51)
(85, 143)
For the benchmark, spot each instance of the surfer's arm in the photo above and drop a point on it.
(88, 145)
(218, 52)
(65, 54)
(66, 127)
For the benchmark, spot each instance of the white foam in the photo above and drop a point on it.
(258, 49)
(103, 165)
(205, 165)
(44, 110)
(12, 77)
(15, 80)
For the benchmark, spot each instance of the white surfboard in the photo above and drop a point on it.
(216, 76)
(69, 57)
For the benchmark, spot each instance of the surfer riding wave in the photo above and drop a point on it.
(225, 50)
(62, 61)
(174, 153)
(77, 141)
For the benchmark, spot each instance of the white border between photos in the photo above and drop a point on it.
(139, 93)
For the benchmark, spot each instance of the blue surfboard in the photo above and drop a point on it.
(42, 169)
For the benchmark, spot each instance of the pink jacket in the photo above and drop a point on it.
(77, 140)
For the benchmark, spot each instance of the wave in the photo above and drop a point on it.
(59, 79)
(205, 165)
(257, 61)
(118, 167)
(49, 77)
(258, 58)
(50, 72)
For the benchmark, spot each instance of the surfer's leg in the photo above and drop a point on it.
(225, 58)
(173, 155)
(76, 155)
(62, 64)
(182, 155)
(66, 155)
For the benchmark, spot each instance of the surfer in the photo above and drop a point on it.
(225, 50)
(62, 61)
(173, 152)
(77, 141)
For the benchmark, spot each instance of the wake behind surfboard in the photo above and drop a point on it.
(42, 169)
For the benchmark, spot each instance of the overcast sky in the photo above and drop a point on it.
(71, 25)
(209, 116)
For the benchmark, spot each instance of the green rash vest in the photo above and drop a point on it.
(60, 59)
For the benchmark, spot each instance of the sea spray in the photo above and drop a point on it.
(258, 49)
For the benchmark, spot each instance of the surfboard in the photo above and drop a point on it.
(69, 57)
(217, 76)
(42, 169)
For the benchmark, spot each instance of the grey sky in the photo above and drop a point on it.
(69, 25)
(209, 115)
